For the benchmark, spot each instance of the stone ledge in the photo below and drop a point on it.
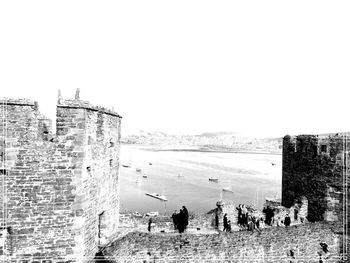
(19, 102)
(79, 104)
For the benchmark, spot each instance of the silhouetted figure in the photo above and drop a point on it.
(287, 220)
(269, 214)
(185, 211)
(225, 223)
(239, 208)
(244, 215)
(181, 221)
(149, 224)
(175, 216)
(216, 220)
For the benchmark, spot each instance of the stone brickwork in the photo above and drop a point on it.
(59, 192)
(317, 168)
(270, 245)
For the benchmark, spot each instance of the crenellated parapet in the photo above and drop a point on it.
(62, 196)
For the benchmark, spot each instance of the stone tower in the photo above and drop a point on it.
(60, 195)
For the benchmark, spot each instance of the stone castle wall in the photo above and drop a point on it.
(316, 167)
(59, 193)
(271, 245)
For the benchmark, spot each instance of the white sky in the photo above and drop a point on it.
(266, 68)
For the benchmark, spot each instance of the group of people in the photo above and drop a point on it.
(252, 222)
(270, 218)
(242, 215)
(180, 219)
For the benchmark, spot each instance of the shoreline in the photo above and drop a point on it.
(197, 149)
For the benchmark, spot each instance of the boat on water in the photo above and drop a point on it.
(227, 189)
(151, 214)
(137, 214)
(138, 170)
(150, 163)
(144, 176)
(158, 196)
(212, 179)
(126, 165)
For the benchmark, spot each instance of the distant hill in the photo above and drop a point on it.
(225, 141)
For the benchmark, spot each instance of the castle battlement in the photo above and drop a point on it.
(61, 196)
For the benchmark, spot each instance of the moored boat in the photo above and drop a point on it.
(137, 214)
(227, 189)
(152, 214)
(212, 179)
(138, 170)
(158, 196)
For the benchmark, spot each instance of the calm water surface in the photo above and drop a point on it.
(252, 177)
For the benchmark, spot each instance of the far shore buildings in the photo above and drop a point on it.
(59, 192)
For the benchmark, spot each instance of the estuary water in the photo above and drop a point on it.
(183, 177)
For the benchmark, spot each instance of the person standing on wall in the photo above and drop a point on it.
(225, 223)
(175, 216)
(287, 220)
(149, 224)
(244, 215)
(181, 221)
(185, 216)
(239, 220)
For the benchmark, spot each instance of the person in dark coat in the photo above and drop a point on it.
(181, 221)
(174, 217)
(185, 216)
(149, 224)
(216, 220)
(269, 214)
(225, 223)
(239, 208)
(287, 220)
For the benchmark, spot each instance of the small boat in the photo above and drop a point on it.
(126, 165)
(150, 163)
(152, 214)
(138, 170)
(137, 214)
(273, 164)
(227, 189)
(158, 196)
(213, 179)
(144, 176)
